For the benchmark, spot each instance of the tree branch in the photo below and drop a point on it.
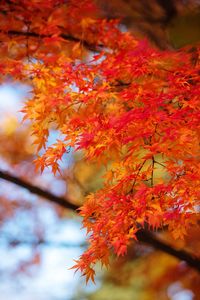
(38, 191)
(67, 37)
(142, 235)
(35, 243)
(150, 239)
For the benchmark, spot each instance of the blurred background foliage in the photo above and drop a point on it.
(185, 29)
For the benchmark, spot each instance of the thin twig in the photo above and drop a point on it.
(158, 163)
(138, 172)
(152, 171)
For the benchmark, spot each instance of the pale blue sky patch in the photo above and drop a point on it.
(12, 96)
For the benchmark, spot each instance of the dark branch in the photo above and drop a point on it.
(150, 239)
(17, 242)
(67, 37)
(170, 10)
(38, 191)
(142, 235)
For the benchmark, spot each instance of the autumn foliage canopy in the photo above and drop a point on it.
(119, 100)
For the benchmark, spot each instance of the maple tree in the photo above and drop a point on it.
(123, 103)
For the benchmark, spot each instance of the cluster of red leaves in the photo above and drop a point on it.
(129, 106)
